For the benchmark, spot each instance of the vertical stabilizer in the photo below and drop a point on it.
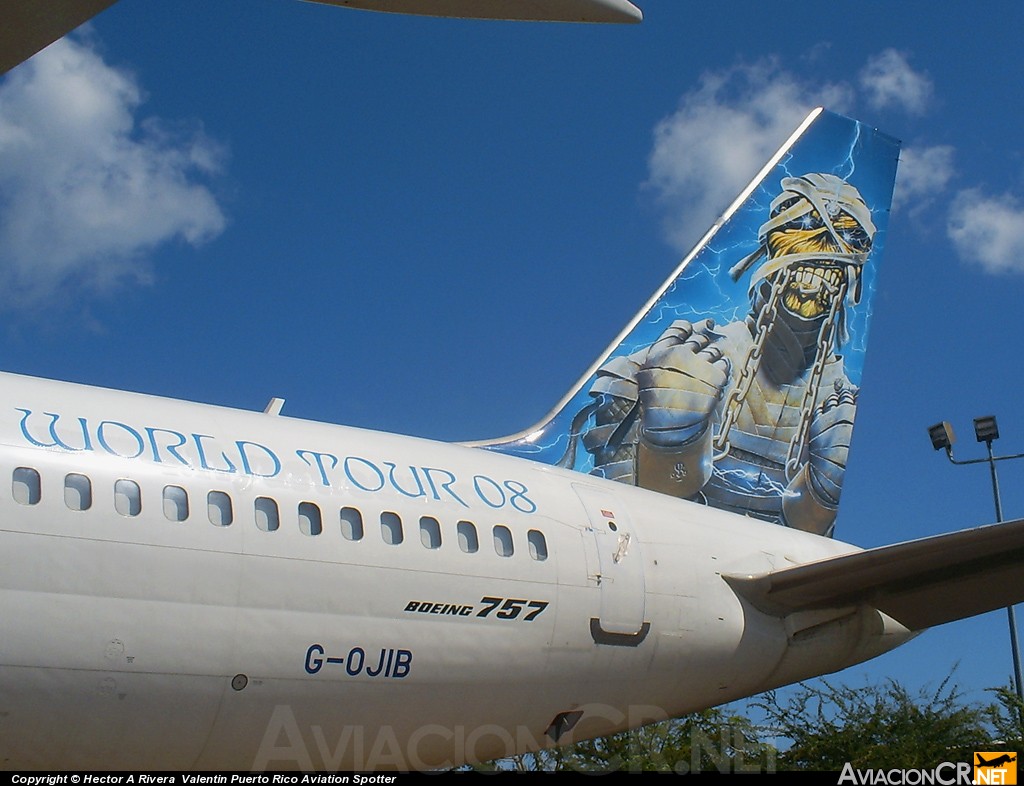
(737, 384)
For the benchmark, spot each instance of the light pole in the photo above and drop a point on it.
(985, 430)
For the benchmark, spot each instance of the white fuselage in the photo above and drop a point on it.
(147, 623)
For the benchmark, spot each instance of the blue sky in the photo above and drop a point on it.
(434, 226)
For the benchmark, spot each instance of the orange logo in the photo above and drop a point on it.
(997, 767)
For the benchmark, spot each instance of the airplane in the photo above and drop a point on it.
(996, 762)
(28, 27)
(186, 586)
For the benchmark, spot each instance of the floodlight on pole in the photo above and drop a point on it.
(942, 436)
(985, 430)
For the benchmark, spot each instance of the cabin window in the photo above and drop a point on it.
(391, 528)
(351, 524)
(26, 486)
(267, 517)
(310, 520)
(538, 545)
(430, 532)
(218, 508)
(503, 541)
(127, 498)
(175, 503)
(468, 540)
(77, 491)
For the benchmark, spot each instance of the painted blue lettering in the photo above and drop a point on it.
(519, 500)
(171, 449)
(380, 665)
(498, 493)
(198, 438)
(57, 441)
(101, 436)
(447, 485)
(403, 662)
(350, 665)
(394, 482)
(247, 467)
(371, 466)
(319, 459)
(314, 661)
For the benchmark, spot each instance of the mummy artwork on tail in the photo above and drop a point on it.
(737, 385)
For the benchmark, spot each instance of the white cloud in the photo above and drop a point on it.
(86, 190)
(889, 81)
(923, 174)
(721, 135)
(988, 231)
(725, 129)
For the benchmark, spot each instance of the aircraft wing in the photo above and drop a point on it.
(27, 26)
(920, 583)
(536, 10)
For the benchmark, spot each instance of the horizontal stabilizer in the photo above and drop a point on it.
(921, 583)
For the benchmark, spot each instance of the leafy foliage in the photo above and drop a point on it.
(713, 740)
(876, 727)
(824, 725)
(1007, 718)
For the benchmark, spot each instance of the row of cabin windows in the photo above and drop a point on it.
(27, 489)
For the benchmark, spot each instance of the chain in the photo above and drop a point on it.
(824, 349)
(762, 328)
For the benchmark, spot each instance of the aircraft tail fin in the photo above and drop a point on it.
(736, 385)
(919, 583)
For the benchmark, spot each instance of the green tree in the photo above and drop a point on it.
(870, 726)
(714, 740)
(1007, 719)
(876, 726)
